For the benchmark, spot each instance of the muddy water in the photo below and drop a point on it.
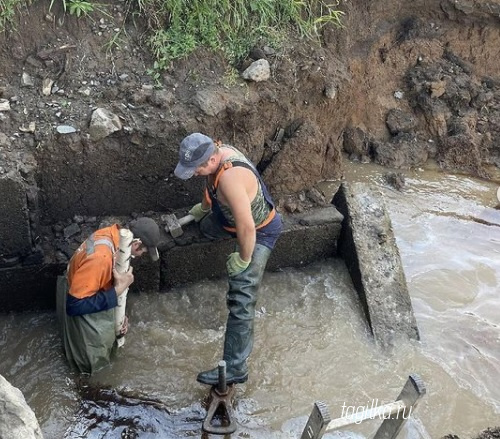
(311, 341)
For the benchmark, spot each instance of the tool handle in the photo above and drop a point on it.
(186, 220)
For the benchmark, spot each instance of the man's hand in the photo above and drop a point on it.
(198, 212)
(124, 328)
(122, 280)
(235, 265)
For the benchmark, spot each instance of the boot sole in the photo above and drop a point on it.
(228, 382)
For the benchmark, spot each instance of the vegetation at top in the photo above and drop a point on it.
(8, 10)
(177, 27)
(231, 26)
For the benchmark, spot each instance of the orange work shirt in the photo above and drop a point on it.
(91, 267)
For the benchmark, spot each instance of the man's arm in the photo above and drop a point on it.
(87, 294)
(233, 187)
(100, 301)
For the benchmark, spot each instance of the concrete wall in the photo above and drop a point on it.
(362, 230)
(14, 219)
(306, 238)
(368, 245)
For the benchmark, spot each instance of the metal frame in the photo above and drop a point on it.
(394, 414)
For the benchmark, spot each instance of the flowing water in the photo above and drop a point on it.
(312, 342)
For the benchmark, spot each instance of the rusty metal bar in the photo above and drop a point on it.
(222, 387)
(220, 410)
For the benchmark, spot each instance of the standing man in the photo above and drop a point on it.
(236, 204)
(88, 293)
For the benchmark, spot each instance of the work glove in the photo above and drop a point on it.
(198, 212)
(235, 265)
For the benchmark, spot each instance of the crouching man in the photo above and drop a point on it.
(87, 294)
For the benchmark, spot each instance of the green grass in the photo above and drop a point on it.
(231, 26)
(8, 10)
(80, 8)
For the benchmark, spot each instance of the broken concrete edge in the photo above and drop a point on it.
(17, 419)
(368, 246)
(185, 259)
(16, 222)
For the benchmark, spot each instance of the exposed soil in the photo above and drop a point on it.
(398, 85)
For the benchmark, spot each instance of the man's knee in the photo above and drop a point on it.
(212, 229)
(242, 309)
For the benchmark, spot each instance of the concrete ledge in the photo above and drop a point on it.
(307, 237)
(360, 231)
(299, 244)
(14, 221)
(368, 246)
(28, 288)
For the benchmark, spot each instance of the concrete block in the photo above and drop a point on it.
(192, 263)
(146, 275)
(14, 219)
(26, 288)
(298, 245)
(369, 249)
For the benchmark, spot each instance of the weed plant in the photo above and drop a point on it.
(8, 10)
(177, 27)
(231, 26)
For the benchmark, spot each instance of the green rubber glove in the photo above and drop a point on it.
(235, 265)
(198, 212)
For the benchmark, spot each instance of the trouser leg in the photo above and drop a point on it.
(239, 336)
(88, 340)
(212, 229)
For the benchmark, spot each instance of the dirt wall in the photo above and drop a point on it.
(399, 84)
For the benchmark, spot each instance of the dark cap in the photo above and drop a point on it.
(148, 232)
(195, 150)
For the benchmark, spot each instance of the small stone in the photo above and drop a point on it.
(27, 80)
(330, 91)
(258, 71)
(57, 227)
(47, 86)
(4, 105)
(291, 206)
(396, 180)
(316, 197)
(61, 258)
(65, 129)
(71, 230)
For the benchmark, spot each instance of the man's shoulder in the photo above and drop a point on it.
(111, 233)
(236, 172)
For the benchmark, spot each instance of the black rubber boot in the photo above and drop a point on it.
(238, 344)
(233, 376)
(238, 340)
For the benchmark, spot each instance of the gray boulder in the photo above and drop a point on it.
(17, 420)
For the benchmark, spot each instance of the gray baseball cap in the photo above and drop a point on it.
(148, 232)
(194, 150)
